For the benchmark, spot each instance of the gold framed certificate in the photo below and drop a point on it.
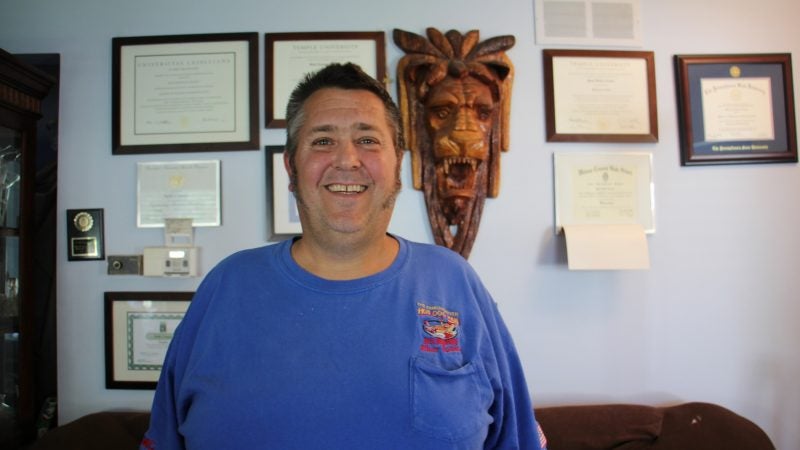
(600, 96)
(291, 56)
(138, 330)
(185, 93)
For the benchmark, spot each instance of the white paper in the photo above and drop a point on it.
(180, 190)
(737, 109)
(601, 95)
(606, 247)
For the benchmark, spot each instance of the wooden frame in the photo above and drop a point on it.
(283, 222)
(185, 93)
(600, 96)
(736, 109)
(131, 320)
(290, 56)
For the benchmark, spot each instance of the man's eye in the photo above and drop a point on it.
(367, 141)
(322, 141)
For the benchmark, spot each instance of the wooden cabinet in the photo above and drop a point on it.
(22, 88)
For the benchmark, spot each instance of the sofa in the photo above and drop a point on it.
(687, 426)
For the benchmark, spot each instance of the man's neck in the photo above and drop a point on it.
(342, 260)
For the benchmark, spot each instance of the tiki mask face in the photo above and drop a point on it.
(458, 115)
(454, 99)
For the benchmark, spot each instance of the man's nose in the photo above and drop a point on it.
(347, 156)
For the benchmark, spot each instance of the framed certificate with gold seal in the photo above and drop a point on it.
(736, 109)
(85, 234)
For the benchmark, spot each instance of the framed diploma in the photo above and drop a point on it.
(600, 96)
(285, 220)
(185, 93)
(291, 56)
(736, 109)
(178, 190)
(604, 189)
(138, 329)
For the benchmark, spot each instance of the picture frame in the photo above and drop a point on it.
(138, 330)
(284, 221)
(600, 96)
(185, 93)
(291, 56)
(604, 188)
(179, 190)
(735, 109)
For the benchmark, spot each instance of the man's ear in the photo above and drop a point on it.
(288, 166)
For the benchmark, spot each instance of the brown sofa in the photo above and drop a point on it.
(688, 426)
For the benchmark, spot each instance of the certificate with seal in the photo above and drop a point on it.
(178, 190)
(736, 109)
(291, 56)
(185, 93)
(600, 96)
(138, 330)
(604, 189)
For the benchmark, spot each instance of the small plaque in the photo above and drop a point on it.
(85, 234)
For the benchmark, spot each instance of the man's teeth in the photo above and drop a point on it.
(350, 188)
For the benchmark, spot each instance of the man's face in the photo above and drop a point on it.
(346, 166)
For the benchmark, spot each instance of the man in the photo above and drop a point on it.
(347, 337)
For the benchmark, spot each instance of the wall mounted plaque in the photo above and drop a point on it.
(85, 234)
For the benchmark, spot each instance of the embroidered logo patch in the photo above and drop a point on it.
(440, 329)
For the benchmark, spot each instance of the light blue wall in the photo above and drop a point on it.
(713, 320)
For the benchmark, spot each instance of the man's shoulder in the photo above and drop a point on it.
(250, 256)
(435, 254)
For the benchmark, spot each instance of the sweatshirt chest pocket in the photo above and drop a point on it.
(449, 404)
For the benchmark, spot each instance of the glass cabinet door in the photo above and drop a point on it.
(10, 154)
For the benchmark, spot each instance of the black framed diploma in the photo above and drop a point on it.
(736, 109)
(185, 93)
(138, 330)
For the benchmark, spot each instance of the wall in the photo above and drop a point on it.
(713, 320)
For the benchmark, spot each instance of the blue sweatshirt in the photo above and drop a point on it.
(270, 356)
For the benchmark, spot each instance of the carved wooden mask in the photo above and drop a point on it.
(455, 96)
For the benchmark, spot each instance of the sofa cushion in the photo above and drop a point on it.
(706, 426)
(99, 431)
(600, 427)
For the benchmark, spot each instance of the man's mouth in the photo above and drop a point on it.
(346, 188)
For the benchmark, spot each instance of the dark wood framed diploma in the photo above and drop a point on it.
(185, 93)
(600, 96)
(736, 109)
(138, 329)
(291, 56)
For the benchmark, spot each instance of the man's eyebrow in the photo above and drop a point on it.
(363, 126)
(327, 128)
(322, 129)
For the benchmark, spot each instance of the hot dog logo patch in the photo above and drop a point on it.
(440, 329)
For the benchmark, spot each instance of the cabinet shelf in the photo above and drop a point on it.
(22, 88)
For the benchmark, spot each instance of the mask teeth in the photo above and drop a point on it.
(459, 160)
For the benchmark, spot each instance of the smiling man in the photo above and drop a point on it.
(347, 337)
